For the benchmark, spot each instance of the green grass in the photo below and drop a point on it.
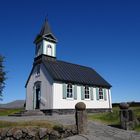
(112, 118)
(38, 124)
(137, 128)
(136, 111)
(6, 112)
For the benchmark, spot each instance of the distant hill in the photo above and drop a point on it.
(14, 104)
(132, 104)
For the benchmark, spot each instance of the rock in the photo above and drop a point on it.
(4, 132)
(25, 132)
(17, 134)
(10, 132)
(124, 106)
(80, 106)
(7, 138)
(31, 134)
(54, 135)
(42, 132)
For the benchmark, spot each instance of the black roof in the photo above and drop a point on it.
(45, 29)
(73, 73)
(46, 32)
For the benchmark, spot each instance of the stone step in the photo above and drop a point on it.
(33, 113)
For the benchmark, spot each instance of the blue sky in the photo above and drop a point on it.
(102, 34)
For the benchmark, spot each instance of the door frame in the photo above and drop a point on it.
(37, 85)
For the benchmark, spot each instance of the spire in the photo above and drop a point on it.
(45, 29)
(46, 33)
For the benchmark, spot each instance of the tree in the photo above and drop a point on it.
(2, 76)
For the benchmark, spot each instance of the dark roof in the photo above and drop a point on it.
(68, 72)
(45, 29)
(46, 33)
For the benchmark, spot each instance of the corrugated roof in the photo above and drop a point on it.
(68, 72)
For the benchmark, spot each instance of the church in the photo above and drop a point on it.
(55, 86)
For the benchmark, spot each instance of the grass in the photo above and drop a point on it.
(6, 112)
(38, 124)
(112, 118)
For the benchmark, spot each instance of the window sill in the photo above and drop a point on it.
(69, 98)
(101, 100)
(87, 99)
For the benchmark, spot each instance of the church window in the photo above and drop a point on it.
(100, 93)
(69, 91)
(49, 50)
(38, 70)
(86, 92)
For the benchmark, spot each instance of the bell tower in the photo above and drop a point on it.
(45, 42)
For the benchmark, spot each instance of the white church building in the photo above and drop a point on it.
(55, 86)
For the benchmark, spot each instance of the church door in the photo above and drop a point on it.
(38, 97)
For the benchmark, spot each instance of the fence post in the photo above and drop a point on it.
(81, 118)
(127, 118)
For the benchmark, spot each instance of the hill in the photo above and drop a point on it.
(14, 104)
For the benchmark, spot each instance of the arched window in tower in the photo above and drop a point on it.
(49, 47)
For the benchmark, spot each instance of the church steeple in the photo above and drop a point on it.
(45, 41)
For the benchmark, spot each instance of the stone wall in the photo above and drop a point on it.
(72, 111)
(32, 133)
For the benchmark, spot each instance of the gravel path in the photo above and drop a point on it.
(62, 119)
(96, 131)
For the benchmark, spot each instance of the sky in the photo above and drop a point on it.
(102, 34)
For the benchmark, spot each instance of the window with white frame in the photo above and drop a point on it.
(69, 91)
(101, 93)
(49, 50)
(86, 92)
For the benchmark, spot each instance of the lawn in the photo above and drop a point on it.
(112, 118)
(6, 112)
(38, 124)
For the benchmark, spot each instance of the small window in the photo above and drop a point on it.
(86, 92)
(100, 93)
(38, 70)
(69, 91)
(49, 50)
(49, 46)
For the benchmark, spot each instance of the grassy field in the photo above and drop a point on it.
(112, 118)
(46, 124)
(6, 112)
